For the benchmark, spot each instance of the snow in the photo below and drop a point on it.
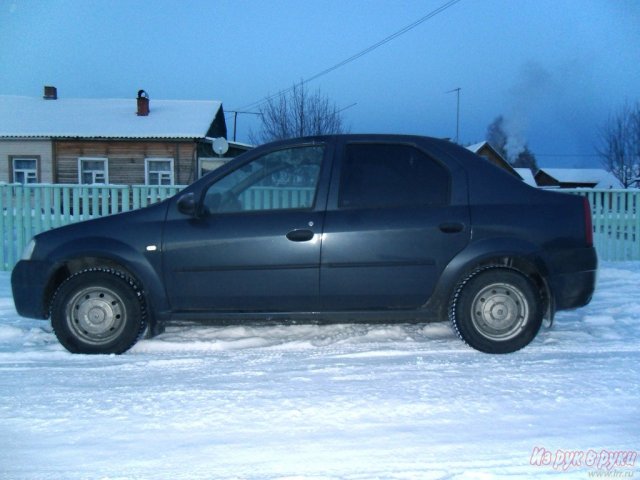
(527, 176)
(104, 118)
(598, 177)
(328, 402)
(475, 148)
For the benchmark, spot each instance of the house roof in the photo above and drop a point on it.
(484, 149)
(475, 148)
(527, 176)
(29, 117)
(597, 177)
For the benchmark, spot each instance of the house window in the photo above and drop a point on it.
(209, 164)
(159, 171)
(25, 170)
(93, 170)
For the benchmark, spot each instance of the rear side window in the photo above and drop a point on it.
(387, 175)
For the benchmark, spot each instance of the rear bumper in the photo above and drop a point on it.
(28, 283)
(574, 284)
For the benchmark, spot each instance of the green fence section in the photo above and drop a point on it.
(267, 198)
(616, 222)
(31, 209)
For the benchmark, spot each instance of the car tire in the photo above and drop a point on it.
(496, 310)
(98, 311)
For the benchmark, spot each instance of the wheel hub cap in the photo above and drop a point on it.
(96, 314)
(499, 311)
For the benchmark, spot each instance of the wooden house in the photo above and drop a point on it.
(115, 141)
(485, 150)
(576, 178)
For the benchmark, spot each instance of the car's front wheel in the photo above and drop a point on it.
(496, 310)
(98, 311)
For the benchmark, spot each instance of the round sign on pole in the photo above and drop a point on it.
(220, 145)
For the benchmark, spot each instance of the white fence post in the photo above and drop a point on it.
(616, 222)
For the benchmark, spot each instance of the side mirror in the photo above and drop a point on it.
(187, 204)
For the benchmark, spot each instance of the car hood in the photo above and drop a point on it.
(136, 229)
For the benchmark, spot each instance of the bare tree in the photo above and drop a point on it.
(620, 145)
(298, 113)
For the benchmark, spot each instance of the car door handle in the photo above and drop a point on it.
(300, 235)
(451, 227)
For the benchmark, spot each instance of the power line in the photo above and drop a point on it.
(347, 107)
(362, 53)
(566, 155)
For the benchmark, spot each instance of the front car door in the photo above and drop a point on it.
(392, 225)
(254, 245)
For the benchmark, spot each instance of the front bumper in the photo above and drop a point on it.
(29, 284)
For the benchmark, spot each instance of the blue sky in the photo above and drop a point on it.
(556, 69)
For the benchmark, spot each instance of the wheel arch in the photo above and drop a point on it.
(69, 260)
(521, 256)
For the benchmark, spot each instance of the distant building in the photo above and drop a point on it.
(576, 178)
(116, 141)
(484, 149)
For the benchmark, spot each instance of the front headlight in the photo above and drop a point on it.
(28, 250)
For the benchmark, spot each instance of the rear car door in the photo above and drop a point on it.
(390, 228)
(255, 244)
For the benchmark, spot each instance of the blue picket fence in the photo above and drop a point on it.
(616, 222)
(31, 209)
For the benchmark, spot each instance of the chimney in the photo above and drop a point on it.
(143, 104)
(50, 93)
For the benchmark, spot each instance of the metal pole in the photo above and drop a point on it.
(457, 90)
(235, 120)
(457, 117)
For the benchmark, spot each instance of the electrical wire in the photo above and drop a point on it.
(362, 53)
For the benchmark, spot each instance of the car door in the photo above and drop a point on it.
(390, 227)
(254, 245)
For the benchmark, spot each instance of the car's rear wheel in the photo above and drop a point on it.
(496, 310)
(98, 311)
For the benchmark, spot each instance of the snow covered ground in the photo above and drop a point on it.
(328, 402)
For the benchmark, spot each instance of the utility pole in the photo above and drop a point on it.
(235, 119)
(457, 90)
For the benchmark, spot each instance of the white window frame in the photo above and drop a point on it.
(220, 161)
(105, 171)
(30, 174)
(161, 173)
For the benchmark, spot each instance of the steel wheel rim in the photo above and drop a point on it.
(499, 311)
(96, 315)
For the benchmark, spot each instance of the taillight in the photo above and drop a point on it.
(588, 222)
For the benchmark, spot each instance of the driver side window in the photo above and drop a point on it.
(284, 179)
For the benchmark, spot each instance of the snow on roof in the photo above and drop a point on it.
(597, 176)
(475, 148)
(527, 176)
(29, 117)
